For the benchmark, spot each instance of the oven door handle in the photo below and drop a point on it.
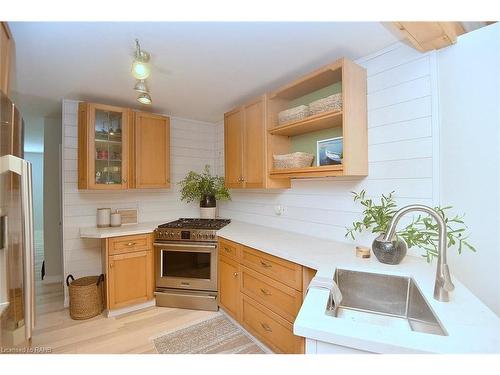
(184, 246)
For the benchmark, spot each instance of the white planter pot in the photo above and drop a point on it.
(207, 212)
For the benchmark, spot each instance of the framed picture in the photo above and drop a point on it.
(329, 151)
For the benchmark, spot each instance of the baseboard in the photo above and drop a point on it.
(252, 337)
(52, 279)
(125, 310)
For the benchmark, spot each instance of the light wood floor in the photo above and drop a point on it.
(129, 333)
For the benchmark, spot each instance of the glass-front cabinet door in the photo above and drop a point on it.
(107, 147)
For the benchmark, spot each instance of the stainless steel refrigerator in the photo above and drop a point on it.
(17, 281)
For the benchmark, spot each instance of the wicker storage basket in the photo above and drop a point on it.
(292, 114)
(85, 296)
(295, 160)
(330, 103)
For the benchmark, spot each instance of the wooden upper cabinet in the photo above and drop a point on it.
(233, 150)
(103, 145)
(245, 148)
(151, 151)
(6, 48)
(122, 149)
(253, 145)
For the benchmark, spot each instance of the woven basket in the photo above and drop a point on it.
(292, 114)
(85, 296)
(330, 103)
(295, 160)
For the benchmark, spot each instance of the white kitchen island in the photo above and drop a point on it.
(471, 326)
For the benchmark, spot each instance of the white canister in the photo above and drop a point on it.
(116, 219)
(103, 217)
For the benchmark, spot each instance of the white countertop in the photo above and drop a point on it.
(471, 326)
(124, 230)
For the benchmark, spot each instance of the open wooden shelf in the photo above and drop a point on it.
(309, 124)
(350, 122)
(313, 81)
(308, 172)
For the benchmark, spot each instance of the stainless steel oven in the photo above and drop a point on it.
(186, 265)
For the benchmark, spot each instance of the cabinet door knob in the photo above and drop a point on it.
(235, 274)
(265, 292)
(124, 180)
(265, 265)
(266, 327)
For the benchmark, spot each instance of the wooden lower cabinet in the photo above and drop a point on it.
(269, 327)
(280, 298)
(229, 286)
(263, 293)
(128, 262)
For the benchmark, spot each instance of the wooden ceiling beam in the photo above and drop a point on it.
(426, 36)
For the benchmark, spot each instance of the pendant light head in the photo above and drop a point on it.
(144, 98)
(140, 66)
(140, 86)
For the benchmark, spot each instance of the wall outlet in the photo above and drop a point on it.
(279, 209)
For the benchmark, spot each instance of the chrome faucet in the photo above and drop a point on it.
(443, 284)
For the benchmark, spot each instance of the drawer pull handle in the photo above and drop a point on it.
(235, 274)
(131, 244)
(266, 327)
(265, 265)
(265, 292)
(227, 250)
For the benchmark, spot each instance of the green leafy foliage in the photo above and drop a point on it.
(196, 185)
(422, 232)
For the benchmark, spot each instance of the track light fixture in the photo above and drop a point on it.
(140, 66)
(144, 98)
(141, 70)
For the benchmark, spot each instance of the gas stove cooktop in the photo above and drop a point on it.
(190, 229)
(194, 223)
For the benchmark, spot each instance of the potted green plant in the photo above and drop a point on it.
(422, 232)
(206, 189)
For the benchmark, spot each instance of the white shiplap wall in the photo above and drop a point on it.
(193, 144)
(403, 141)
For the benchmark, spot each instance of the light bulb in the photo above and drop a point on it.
(140, 69)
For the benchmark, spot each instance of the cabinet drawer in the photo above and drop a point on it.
(288, 273)
(127, 244)
(229, 248)
(269, 327)
(276, 296)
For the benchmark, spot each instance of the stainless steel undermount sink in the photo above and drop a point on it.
(385, 300)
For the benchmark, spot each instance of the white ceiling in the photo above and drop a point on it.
(200, 70)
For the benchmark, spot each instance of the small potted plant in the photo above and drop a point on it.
(421, 232)
(206, 189)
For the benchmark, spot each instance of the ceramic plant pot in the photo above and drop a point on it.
(208, 207)
(389, 252)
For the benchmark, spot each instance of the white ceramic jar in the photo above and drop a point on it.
(103, 217)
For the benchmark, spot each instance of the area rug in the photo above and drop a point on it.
(217, 335)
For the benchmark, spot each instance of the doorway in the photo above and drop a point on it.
(42, 138)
